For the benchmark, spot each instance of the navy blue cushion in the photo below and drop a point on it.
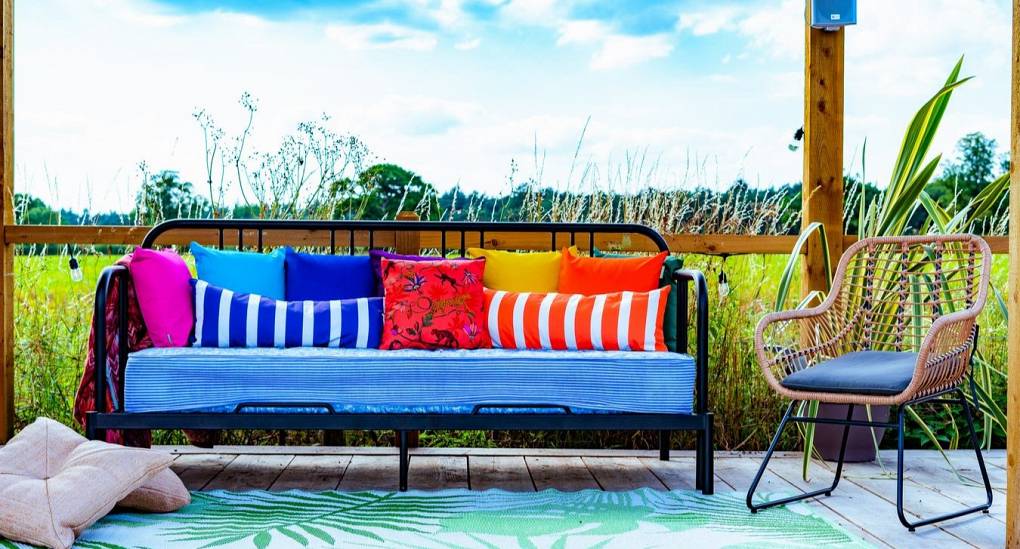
(328, 277)
(861, 372)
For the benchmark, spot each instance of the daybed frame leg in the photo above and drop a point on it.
(331, 437)
(772, 447)
(90, 426)
(912, 526)
(664, 444)
(706, 457)
(403, 460)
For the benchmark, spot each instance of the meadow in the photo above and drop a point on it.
(52, 316)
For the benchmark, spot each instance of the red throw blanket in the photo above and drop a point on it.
(138, 338)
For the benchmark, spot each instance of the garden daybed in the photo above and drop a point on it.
(409, 390)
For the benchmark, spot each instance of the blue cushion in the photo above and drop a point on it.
(242, 272)
(228, 319)
(328, 277)
(862, 372)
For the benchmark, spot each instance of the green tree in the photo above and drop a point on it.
(31, 210)
(977, 164)
(392, 188)
(165, 196)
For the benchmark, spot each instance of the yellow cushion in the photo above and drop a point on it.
(520, 272)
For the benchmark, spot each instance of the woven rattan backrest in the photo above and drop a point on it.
(890, 290)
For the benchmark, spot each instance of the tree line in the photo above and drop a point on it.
(382, 190)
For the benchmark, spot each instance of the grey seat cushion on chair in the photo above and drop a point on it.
(861, 372)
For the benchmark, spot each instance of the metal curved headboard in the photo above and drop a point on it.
(239, 227)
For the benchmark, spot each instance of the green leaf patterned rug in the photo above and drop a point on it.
(466, 519)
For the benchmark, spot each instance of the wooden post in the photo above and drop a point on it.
(1013, 305)
(7, 209)
(408, 243)
(822, 198)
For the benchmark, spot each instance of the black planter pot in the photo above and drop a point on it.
(860, 447)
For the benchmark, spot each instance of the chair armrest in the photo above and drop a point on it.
(945, 353)
(788, 341)
(115, 274)
(684, 277)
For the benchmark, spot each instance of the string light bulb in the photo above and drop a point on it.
(76, 274)
(724, 284)
(798, 136)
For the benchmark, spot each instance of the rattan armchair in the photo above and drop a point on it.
(899, 327)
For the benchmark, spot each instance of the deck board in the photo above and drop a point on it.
(196, 470)
(675, 474)
(508, 473)
(566, 474)
(617, 474)
(247, 472)
(370, 473)
(312, 473)
(437, 472)
(863, 504)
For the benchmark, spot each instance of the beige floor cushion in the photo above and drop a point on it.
(53, 486)
(164, 493)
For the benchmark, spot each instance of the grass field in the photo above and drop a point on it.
(52, 316)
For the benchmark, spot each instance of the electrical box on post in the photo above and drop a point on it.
(833, 14)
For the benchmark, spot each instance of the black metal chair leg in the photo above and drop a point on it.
(403, 461)
(768, 456)
(912, 526)
(664, 437)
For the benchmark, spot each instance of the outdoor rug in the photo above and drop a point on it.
(466, 519)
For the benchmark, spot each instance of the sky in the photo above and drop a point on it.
(706, 90)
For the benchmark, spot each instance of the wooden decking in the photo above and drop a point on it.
(864, 503)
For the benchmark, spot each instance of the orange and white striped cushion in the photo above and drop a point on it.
(622, 321)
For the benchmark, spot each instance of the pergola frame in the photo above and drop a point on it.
(822, 202)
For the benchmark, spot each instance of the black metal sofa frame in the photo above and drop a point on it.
(366, 234)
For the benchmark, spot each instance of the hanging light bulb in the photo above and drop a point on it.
(76, 274)
(798, 136)
(724, 284)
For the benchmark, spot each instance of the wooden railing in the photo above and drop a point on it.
(709, 244)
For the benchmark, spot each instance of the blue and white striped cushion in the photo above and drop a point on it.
(227, 319)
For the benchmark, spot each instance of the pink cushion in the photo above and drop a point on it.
(162, 285)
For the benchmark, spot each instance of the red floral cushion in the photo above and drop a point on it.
(433, 305)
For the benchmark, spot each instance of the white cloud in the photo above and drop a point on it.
(382, 36)
(533, 12)
(468, 44)
(776, 31)
(584, 31)
(709, 21)
(145, 14)
(419, 114)
(620, 51)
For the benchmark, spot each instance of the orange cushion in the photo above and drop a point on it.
(598, 275)
(622, 321)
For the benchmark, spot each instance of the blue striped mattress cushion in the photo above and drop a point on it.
(407, 381)
(227, 319)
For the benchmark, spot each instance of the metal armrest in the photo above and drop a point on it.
(115, 274)
(683, 277)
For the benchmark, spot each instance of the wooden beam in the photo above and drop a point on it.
(704, 244)
(822, 199)
(7, 215)
(1013, 306)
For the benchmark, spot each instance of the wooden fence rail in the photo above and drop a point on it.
(709, 244)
